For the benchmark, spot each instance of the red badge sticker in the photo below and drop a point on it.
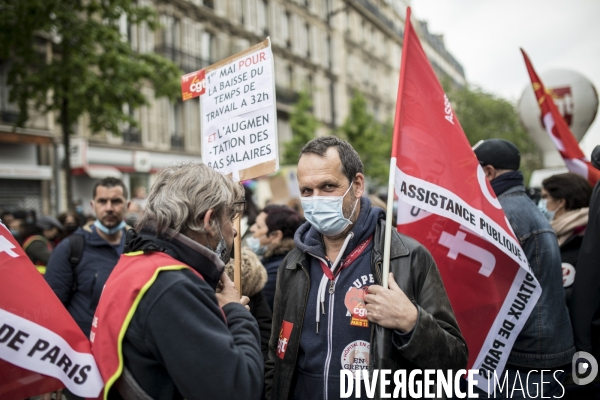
(284, 338)
(355, 303)
(193, 85)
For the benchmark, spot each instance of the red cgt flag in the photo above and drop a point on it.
(446, 203)
(41, 347)
(559, 131)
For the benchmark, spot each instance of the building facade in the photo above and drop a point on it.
(327, 48)
(26, 155)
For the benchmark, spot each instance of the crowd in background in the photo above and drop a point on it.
(268, 236)
(564, 199)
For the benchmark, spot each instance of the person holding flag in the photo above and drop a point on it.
(170, 324)
(331, 313)
(546, 340)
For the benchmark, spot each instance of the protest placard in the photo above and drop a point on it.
(239, 117)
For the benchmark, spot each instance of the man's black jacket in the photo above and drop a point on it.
(436, 341)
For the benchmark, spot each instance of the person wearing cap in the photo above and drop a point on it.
(39, 241)
(546, 340)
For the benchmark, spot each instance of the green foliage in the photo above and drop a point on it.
(69, 56)
(371, 140)
(304, 125)
(91, 68)
(483, 116)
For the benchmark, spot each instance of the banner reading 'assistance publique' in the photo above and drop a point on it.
(446, 203)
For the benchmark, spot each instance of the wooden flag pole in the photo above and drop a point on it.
(388, 225)
(237, 255)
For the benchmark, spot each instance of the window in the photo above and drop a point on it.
(208, 47)
(306, 38)
(290, 76)
(8, 111)
(327, 50)
(261, 16)
(176, 124)
(176, 33)
(239, 11)
(249, 14)
(286, 28)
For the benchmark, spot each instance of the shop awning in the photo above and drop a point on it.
(102, 171)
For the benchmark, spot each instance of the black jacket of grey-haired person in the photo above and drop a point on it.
(177, 344)
(436, 341)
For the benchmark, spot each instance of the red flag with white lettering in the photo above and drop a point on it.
(446, 203)
(559, 131)
(41, 347)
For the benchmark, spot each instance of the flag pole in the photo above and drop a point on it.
(389, 216)
(237, 255)
(237, 242)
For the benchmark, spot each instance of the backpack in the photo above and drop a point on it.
(77, 245)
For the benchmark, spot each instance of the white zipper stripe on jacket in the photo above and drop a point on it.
(329, 338)
(324, 279)
(321, 300)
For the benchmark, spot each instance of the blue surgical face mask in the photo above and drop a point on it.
(254, 245)
(325, 213)
(543, 207)
(109, 231)
(222, 250)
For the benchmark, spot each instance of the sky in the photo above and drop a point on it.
(485, 36)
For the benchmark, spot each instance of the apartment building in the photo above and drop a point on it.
(328, 48)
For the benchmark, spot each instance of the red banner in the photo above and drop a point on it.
(559, 131)
(41, 347)
(447, 204)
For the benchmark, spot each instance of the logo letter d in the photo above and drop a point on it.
(588, 363)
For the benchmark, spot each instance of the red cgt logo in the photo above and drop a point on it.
(284, 338)
(193, 85)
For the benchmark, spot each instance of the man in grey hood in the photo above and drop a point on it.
(330, 314)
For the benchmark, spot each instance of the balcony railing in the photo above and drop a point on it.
(9, 116)
(286, 96)
(373, 9)
(132, 136)
(177, 142)
(187, 62)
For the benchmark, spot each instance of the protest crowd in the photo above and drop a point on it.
(456, 282)
(288, 335)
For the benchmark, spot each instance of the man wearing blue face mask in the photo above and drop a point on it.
(80, 265)
(330, 314)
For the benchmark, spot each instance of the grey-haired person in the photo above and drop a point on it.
(186, 332)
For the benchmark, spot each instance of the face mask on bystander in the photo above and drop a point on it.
(326, 214)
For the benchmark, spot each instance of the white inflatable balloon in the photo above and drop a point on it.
(577, 101)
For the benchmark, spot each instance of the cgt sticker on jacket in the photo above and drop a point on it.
(284, 338)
